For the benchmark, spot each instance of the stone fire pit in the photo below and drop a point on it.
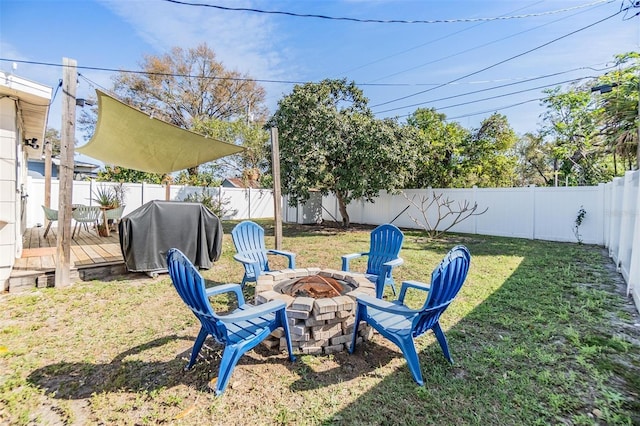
(321, 305)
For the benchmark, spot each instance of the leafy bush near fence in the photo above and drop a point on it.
(209, 200)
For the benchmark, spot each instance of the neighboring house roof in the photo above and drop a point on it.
(81, 169)
(240, 183)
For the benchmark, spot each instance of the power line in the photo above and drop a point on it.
(50, 64)
(94, 84)
(504, 95)
(383, 21)
(481, 45)
(495, 87)
(425, 44)
(501, 62)
(493, 109)
(106, 69)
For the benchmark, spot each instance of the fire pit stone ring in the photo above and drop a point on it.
(317, 324)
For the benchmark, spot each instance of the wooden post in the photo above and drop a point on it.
(65, 172)
(47, 174)
(277, 197)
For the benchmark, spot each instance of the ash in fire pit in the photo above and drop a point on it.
(314, 286)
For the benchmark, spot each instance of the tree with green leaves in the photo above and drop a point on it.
(438, 149)
(618, 112)
(189, 87)
(52, 136)
(571, 126)
(188, 84)
(251, 135)
(488, 159)
(122, 174)
(535, 164)
(207, 176)
(592, 128)
(331, 142)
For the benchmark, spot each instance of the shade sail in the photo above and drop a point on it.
(127, 137)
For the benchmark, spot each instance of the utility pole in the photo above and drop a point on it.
(277, 197)
(65, 172)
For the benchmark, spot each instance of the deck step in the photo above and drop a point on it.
(91, 257)
(21, 281)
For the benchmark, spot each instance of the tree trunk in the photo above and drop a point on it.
(343, 210)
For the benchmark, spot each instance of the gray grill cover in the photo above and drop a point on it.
(147, 233)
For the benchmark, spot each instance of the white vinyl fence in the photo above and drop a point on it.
(622, 229)
(238, 203)
(612, 212)
(612, 216)
(531, 212)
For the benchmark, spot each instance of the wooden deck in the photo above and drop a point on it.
(92, 257)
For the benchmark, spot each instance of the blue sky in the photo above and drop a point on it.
(387, 61)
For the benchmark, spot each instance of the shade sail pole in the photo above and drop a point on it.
(67, 141)
(277, 197)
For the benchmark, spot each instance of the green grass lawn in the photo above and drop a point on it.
(541, 333)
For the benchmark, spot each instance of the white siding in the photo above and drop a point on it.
(9, 226)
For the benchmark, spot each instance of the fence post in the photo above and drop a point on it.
(277, 198)
(627, 221)
(633, 283)
(532, 189)
(475, 217)
(616, 216)
(601, 202)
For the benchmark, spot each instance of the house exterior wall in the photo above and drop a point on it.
(10, 153)
(24, 107)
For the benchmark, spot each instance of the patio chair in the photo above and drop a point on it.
(401, 324)
(114, 215)
(239, 331)
(51, 215)
(84, 215)
(384, 248)
(248, 238)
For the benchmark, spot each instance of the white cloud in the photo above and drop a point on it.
(242, 41)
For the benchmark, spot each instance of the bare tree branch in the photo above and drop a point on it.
(444, 207)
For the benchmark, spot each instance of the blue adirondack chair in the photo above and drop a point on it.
(248, 238)
(386, 241)
(401, 324)
(239, 331)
